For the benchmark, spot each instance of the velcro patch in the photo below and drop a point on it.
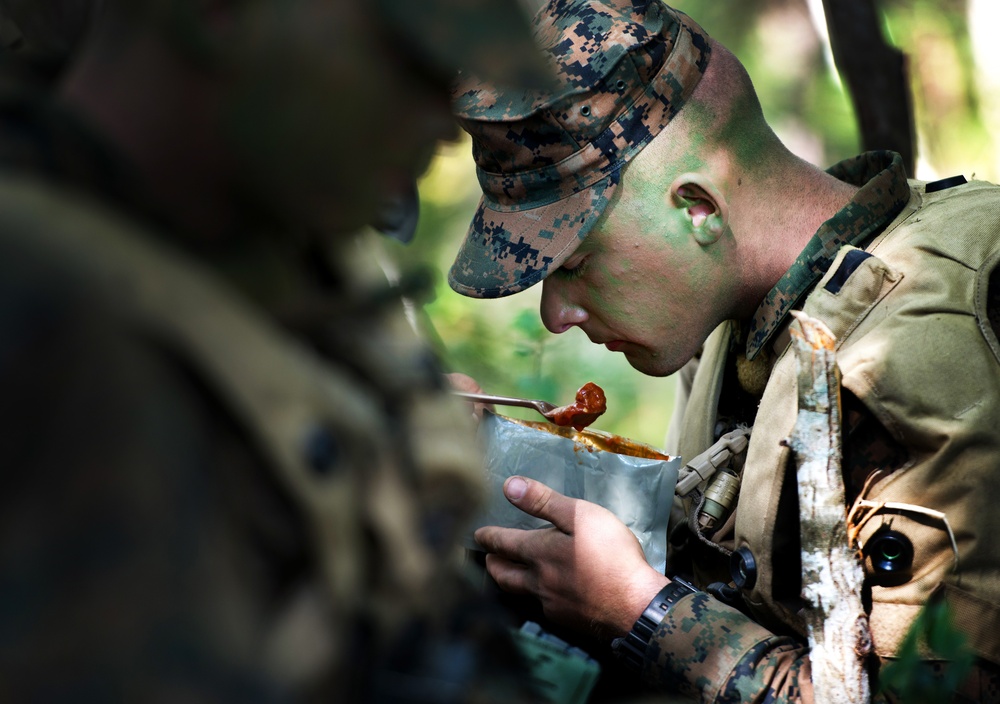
(852, 260)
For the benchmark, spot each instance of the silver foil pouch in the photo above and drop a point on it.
(633, 480)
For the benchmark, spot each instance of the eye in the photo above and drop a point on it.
(573, 269)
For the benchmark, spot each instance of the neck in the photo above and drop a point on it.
(775, 214)
(158, 113)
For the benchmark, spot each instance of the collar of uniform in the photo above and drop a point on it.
(883, 193)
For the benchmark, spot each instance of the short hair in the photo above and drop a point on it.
(725, 112)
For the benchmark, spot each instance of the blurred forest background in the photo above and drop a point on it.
(954, 70)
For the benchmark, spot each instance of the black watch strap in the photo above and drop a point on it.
(631, 649)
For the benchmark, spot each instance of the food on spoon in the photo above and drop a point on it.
(590, 403)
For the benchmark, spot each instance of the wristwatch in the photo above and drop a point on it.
(631, 649)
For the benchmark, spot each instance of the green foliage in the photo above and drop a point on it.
(949, 84)
(933, 636)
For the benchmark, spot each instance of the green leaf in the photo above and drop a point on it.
(911, 677)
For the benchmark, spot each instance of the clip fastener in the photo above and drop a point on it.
(704, 466)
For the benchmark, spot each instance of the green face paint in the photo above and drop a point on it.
(648, 288)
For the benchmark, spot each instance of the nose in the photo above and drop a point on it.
(557, 311)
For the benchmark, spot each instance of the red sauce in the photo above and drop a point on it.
(597, 441)
(590, 403)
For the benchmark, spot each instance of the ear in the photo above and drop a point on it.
(705, 206)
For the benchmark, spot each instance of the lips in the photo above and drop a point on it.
(615, 345)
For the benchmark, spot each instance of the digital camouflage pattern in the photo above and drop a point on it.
(717, 654)
(735, 660)
(884, 191)
(548, 162)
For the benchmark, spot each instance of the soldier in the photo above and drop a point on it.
(229, 471)
(664, 217)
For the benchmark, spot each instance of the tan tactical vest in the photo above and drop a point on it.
(916, 347)
(281, 392)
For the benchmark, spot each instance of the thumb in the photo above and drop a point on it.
(540, 501)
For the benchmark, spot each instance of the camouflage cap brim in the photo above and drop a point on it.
(507, 251)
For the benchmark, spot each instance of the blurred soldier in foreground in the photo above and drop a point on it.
(228, 472)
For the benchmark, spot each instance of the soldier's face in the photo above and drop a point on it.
(325, 113)
(640, 285)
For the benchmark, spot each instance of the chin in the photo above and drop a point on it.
(650, 365)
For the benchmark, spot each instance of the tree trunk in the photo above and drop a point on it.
(876, 75)
(832, 575)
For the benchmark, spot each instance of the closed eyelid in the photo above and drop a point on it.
(573, 269)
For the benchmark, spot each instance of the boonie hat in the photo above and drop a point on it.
(549, 161)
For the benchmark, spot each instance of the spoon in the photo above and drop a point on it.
(543, 407)
(590, 404)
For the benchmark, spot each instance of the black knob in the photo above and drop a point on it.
(890, 552)
(743, 568)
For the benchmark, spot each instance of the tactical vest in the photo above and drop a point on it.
(915, 345)
(324, 435)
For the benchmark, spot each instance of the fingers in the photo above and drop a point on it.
(542, 502)
(465, 383)
(511, 576)
(508, 558)
(509, 543)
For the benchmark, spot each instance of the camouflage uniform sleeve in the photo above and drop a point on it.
(714, 653)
